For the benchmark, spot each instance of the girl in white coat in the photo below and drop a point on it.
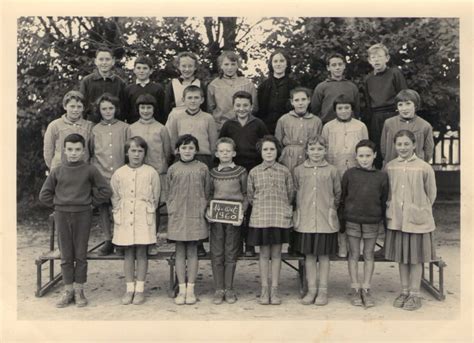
(136, 194)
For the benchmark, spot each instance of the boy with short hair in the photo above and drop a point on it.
(194, 121)
(228, 182)
(342, 135)
(336, 84)
(363, 201)
(245, 130)
(70, 122)
(102, 80)
(72, 188)
(380, 88)
(143, 68)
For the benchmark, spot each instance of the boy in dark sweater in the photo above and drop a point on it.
(245, 130)
(143, 68)
(380, 88)
(72, 188)
(102, 80)
(364, 194)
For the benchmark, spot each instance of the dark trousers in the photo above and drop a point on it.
(376, 126)
(225, 244)
(73, 234)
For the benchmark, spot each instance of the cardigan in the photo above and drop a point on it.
(412, 195)
(364, 195)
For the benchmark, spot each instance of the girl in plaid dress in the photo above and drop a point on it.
(270, 191)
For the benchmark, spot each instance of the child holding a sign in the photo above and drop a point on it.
(189, 183)
(228, 183)
(270, 191)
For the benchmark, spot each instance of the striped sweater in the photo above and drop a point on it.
(229, 183)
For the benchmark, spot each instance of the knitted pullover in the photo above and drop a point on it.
(229, 183)
(74, 187)
(364, 195)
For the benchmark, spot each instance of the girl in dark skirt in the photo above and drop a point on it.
(318, 191)
(270, 192)
(410, 223)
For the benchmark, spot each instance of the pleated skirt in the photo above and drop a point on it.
(409, 248)
(316, 243)
(267, 236)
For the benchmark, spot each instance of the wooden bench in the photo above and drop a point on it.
(435, 286)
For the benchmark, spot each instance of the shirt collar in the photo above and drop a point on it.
(234, 118)
(181, 79)
(79, 122)
(221, 167)
(143, 84)
(343, 121)
(273, 166)
(309, 164)
(410, 159)
(229, 78)
(96, 76)
(306, 116)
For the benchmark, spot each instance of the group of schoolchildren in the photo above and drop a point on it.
(299, 162)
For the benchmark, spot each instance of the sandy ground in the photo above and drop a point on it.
(106, 285)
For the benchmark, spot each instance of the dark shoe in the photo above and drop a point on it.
(66, 299)
(119, 251)
(138, 298)
(400, 300)
(249, 251)
(380, 253)
(201, 251)
(152, 250)
(264, 296)
(127, 298)
(412, 303)
(367, 298)
(80, 298)
(356, 298)
(218, 297)
(230, 296)
(106, 249)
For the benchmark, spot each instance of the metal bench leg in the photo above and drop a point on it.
(428, 284)
(53, 279)
(172, 280)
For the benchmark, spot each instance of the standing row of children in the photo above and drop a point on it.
(303, 167)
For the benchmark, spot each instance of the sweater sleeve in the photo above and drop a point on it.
(101, 191)
(49, 143)
(160, 97)
(429, 145)
(169, 101)
(172, 127)
(383, 141)
(212, 131)
(165, 138)
(368, 104)
(46, 195)
(253, 92)
(336, 181)
(279, 130)
(344, 184)
(211, 98)
(385, 188)
(399, 80)
(243, 188)
(316, 101)
(356, 96)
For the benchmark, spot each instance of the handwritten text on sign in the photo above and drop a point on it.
(223, 211)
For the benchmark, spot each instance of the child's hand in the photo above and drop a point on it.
(241, 219)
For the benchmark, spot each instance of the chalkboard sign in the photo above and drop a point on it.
(223, 211)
